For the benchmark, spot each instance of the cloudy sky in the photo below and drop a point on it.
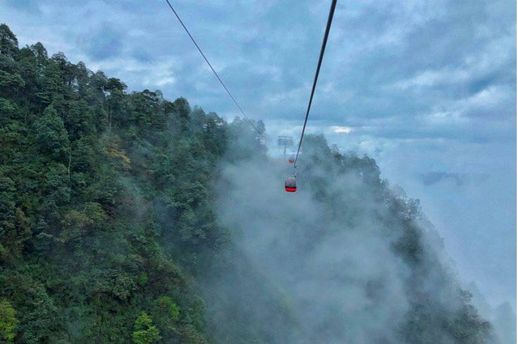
(428, 88)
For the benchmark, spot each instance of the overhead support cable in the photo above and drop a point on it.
(322, 50)
(212, 68)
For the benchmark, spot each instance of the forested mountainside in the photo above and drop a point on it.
(125, 217)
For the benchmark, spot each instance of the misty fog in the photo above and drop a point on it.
(352, 259)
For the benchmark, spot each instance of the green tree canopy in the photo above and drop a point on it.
(145, 332)
(8, 322)
(51, 135)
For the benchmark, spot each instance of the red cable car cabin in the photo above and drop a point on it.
(291, 184)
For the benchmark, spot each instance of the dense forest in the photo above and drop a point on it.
(125, 217)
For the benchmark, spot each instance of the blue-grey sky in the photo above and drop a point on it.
(428, 88)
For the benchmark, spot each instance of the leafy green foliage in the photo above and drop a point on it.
(105, 204)
(8, 322)
(51, 135)
(145, 332)
(8, 41)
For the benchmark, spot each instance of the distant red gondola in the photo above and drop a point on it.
(291, 184)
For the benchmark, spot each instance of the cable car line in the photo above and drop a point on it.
(213, 70)
(322, 49)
